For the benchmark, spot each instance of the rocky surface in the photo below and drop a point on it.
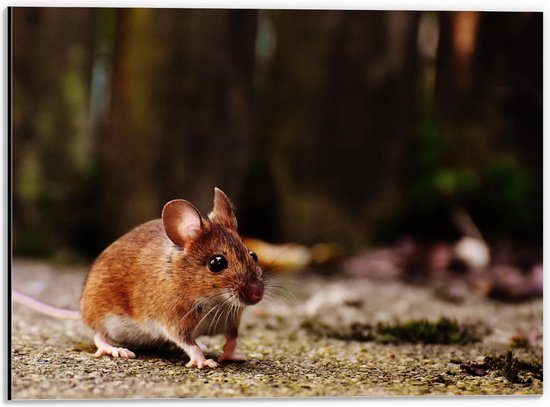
(53, 359)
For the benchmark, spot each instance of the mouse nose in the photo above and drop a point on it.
(251, 293)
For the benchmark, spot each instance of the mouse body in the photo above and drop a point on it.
(170, 280)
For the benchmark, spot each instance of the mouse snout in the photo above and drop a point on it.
(251, 293)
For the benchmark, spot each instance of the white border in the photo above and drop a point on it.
(502, 5)
(486, 5)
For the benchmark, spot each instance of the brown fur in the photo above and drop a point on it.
(145, 276)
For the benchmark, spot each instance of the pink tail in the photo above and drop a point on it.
(44, 308)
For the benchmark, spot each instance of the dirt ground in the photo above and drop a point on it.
(288, 354)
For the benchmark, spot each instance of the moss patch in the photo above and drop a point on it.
(354, 332)
(442, 331)
(514, 369)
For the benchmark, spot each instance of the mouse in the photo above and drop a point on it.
(167, 282)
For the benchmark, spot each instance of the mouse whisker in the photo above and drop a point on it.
(214, 308)
(237, 310)
(219, 310)
(224, 305)
(229, 313)
(275, 290)
(208, 300)
(221, 307)
(196, 305)
(234, 308)
(226, 310)
(278, 293)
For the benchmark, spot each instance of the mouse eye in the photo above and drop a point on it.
(253, 255)
(217, 263)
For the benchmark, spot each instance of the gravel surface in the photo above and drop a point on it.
(53, 359)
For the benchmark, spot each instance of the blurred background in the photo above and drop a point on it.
(357, 129)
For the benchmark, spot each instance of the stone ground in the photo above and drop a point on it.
(53, 359)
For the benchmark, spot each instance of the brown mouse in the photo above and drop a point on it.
(170, 280)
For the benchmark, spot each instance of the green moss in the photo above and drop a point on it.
(515, 370)
(355, 332)
(443, 331)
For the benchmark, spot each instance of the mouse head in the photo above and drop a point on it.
(214, 258)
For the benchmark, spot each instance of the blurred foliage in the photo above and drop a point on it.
(358, 127)
(504, 196)
(509, 201)
(462, 159)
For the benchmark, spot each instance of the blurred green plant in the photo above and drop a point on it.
(508, 201)
(500, 193)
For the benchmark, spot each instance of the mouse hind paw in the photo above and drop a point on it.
(105, 348)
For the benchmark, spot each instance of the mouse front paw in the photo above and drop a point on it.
(197, 359)
(229, 351)
(202, 363)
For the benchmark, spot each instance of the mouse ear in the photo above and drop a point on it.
(181, 221)
(223, 210)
